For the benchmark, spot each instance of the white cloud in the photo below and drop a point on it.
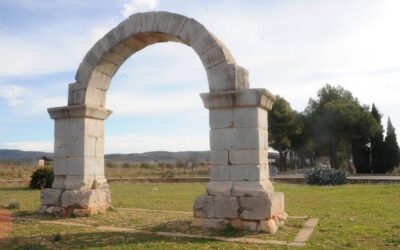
(137, 6)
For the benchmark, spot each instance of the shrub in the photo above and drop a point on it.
(396, 171)
(42, 178)
(325, 176)
(12, 205)
(168, 175)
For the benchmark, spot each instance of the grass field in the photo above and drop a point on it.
(351, 217)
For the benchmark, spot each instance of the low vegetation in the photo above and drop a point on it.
(42, 178)
(325, 176)
(351, 217)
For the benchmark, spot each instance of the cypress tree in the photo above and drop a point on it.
(377, 144)
(391, 149)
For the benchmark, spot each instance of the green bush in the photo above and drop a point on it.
(12, 205)
(325, 176)
(42, 178)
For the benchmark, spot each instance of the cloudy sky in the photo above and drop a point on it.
(291, 48)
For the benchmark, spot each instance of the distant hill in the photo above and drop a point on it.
(163, 156)
(19, 155)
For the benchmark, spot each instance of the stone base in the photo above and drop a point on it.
(63, 202)
(258, 213)
(267, 226)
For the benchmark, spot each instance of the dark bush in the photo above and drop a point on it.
(325, 176)
(42, 178)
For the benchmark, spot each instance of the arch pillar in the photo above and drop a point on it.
(79, 184)
(240, 192)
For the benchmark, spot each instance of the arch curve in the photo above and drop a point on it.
(140, 30)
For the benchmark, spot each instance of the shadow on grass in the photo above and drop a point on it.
(184, 226)
(103, 240)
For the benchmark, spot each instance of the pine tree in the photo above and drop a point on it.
(377, 144)
(391, 149)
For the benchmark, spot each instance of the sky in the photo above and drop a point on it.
(292, 48)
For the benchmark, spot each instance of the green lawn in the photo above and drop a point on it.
(351, 216)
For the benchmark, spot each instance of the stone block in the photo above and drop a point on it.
(250, 225)
(238, 98)
(250, 117)
(94, 127)
(269, 226)
(255, 208)
(79, 182)
(106, 67)
(82, 76)
(226, 207)
(252, 188)
(248, 172)
(55, 210)
(219, 188)
(95, 97)
(190, 31)
(220, 173)
(85, 166)
(175, 24)
(204, 41)
(92, 198)
(219, 157)
(221, 118)
(216, 55)
(249, 138)
(147, 21)
(99, 152)
(237, 138)
(50, 196)
(60, 147)
(130, 26)
(116, 59)
(60, 166)
(226, 76)
(59, 181)
(203, 207)
(248, 156)
(100, 80)
(122, 50)
(210, 223)
(221, 139)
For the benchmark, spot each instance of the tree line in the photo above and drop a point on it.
(337, 125)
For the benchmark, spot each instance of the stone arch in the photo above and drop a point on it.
(140, 30)
(239, 192)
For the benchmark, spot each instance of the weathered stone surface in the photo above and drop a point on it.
(220, 173)
(60, 166)
(252, 188)
(268, 226)
(250, 117)
(59, 182)
(203, 207)
(237, 138)
(219, 188)
(248, 156)
(219, 157)
(50, 196)
(82, 182)
(227, 77)
(248, 172)
(147, 21)
(85, 198)
(226, 207)
(240, 98)
(56, 210)
(255, 208)
(221, 118)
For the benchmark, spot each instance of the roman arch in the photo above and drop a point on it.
(239, 192)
